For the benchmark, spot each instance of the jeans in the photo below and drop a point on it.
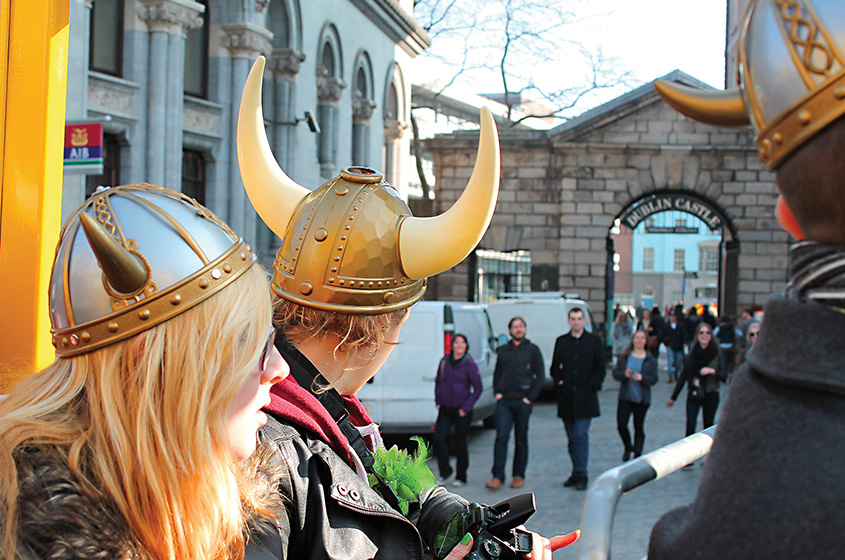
(676, 362)
(623, 414)
(511, 413)
(710, 404)
(446, 417)
(578, 434)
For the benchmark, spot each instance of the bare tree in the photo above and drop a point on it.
(529, 46)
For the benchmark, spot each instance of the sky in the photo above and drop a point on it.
(647, 38)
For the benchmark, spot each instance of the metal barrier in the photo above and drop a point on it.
(604, 494)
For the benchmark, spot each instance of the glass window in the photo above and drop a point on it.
(502, 272)
(196, 57)
(709, 259)
(193, 175)
(679, 260)
(106, 41)
(328, 59)
(648, 258)
(680, 222)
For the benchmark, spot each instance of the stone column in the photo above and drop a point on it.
(169, 22)
(245, 42)
(73, 185)
(362, 112)
(329, 91)
(394, 130)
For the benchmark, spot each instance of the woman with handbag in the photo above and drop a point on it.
(704, 369)
(636, 369)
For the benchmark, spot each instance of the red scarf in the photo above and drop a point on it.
(290, 402)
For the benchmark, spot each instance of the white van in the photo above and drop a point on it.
(400, 397)
(545, 315)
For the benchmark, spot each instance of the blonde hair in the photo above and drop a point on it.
(356, 333)
(143, 423)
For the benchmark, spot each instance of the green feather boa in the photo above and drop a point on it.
(408, 476)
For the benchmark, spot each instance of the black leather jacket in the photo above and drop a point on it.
(329, 511)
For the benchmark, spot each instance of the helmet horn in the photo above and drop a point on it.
(428, 246)
(721, 108)
(273, 194)
(124, 271)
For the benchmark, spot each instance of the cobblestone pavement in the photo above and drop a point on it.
(559, 509)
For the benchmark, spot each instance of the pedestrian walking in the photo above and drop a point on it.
(750, 339)
(636, 370)
(728, 337)
(704, 369)
(675, 339)
(517, 381)
(578, 372)
(652, 331)
(621, 332)
(457, 387)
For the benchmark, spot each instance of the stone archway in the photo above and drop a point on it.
(562, 189)
(714, 218)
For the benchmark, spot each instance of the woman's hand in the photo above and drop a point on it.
(628, 372)
(542, 547)
(670, 402)
(461, 549)
(637, 377)
(707, 371)
(461, 412)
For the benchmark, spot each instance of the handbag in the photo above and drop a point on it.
(696, 393)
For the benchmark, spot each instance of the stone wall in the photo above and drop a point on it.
(560, 193)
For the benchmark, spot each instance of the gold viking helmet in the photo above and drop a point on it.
(352, 246)
(132, 257)
(791, 76)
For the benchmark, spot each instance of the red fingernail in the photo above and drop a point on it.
(564, 540)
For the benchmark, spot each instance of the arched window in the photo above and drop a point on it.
(193, 175)
(196, 57)
(362, 110)
(395, 123)
(329, 91)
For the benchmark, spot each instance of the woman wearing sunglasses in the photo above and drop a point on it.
(139, 440)
(703, 370)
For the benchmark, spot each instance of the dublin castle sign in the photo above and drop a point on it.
(667, 202)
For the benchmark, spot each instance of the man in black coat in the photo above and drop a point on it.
(578, 372)
(773, 485)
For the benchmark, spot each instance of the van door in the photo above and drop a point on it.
(473, 323)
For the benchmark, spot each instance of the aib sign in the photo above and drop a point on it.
(84, 148)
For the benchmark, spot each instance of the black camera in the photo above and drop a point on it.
(445, 519)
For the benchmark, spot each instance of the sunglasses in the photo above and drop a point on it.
(708, 333)
(268, 350)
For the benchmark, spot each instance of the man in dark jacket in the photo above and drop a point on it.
(517, 381)
(773, 485)
(578, 372)
(675, 338)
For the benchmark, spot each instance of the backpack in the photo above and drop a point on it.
(726, 333)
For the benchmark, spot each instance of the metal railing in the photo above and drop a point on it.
(604, 494)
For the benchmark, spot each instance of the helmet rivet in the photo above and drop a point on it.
(331, 280)
(144, 314)
(305, 288)
(216, 274)
(361, 284)
(334, 269)
(360, 200)
(53, 340)
(839, 92)
(336, 258)
(74, 340)
(347, 228)
(321, 234)
(227, 268)
(342, 282)
(248, 248)
(176, 299)
(86, 336)
(370, 285)
(340, 247)
(341, 191)
(777, 138)
(343, 238)
(354, 208)
(242, 256)
(351, 218)
(388, 297)
(378, 284)
(64, 341)
(805, 117)
(112, 327)
(203, 283)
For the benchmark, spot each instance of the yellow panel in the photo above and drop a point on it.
(35, 42)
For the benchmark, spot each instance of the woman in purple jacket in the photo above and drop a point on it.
(456, 389)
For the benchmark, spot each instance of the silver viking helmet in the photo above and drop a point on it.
(791, 76)
(352, 246)
(132, 257)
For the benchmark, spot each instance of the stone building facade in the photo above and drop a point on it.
(164, 77)
(563, 189)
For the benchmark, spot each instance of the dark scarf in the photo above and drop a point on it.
(701, 357)
(818, 274)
